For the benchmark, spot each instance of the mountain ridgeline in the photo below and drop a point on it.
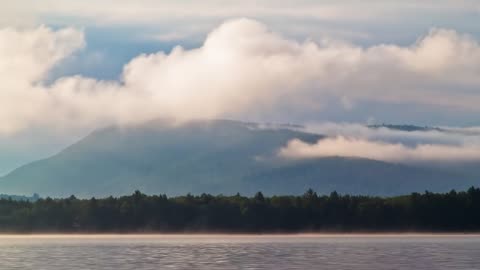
(216, 157)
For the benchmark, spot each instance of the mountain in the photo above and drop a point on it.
(32, 198)
(215, 156)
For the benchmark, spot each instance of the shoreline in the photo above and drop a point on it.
(236, 235)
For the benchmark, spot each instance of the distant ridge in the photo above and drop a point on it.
(214, 156)
(32, 198)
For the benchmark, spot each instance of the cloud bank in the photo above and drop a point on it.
(438, 135)
(390, 152)
(241, 68)
(430, 145)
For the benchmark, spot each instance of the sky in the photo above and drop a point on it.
(68, 67)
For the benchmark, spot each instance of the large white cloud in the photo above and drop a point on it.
(25, 59)
(242, 67)
(28, 55)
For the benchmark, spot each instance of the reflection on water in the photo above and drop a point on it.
(239, 252)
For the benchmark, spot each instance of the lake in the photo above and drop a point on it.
(144, 252)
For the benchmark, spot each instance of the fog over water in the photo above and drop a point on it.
(144, 252)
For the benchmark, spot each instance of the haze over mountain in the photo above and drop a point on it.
(215, 156)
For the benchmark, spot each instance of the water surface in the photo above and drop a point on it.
(145, 252)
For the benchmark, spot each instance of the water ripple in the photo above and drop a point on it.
(239, 252)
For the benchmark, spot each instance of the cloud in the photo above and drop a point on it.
(429, 145)
(152, 11)
(172, 13)
(370, 21)
(241, 68)
(377, 150)
(439, 135)
(168, 21)
(29, 55)
(25, 59)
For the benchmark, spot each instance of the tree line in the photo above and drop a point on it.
(432, 212)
